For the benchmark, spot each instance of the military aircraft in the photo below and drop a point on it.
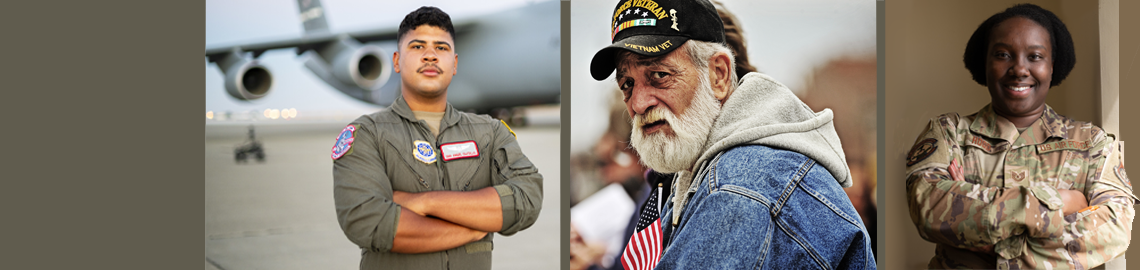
(506, 59)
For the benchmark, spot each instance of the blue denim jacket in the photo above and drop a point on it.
(756, 207)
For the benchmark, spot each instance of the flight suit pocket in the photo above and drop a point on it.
(464, 173)
(511, 163)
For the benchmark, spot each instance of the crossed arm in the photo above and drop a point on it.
(441, 220)
(1073, 200)
(479, 209)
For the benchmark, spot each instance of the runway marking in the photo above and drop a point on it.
(264, 232)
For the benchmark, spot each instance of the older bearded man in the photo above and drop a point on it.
(759, 175)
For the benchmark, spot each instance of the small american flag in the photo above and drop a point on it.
(644, 248)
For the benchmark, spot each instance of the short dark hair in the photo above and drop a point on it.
(1064, 56)
(432, 16)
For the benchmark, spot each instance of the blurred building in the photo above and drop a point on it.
(848, 86)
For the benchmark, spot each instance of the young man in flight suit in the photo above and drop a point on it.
(422, 185)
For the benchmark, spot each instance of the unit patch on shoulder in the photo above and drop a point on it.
(509, 129)
(423, 152)
(921, 151)
(459, 150)
(344, 142)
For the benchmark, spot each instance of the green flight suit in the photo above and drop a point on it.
(382, 159)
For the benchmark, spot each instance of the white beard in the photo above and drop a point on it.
(671, 154)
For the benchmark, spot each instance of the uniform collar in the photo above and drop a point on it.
(400, 107)
(989, 124)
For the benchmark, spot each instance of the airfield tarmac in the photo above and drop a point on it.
(279, 214)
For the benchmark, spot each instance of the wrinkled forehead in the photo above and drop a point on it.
(627, 60)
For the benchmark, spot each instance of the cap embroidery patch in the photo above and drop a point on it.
(459, 150)
(640, 8)
(921, 151)
(423, 152)
(673, 13)
(344, 142)
(653, 49)
(628, 24)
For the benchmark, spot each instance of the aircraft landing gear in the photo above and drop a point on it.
(250, 147)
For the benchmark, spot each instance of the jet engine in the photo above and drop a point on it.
(246, 79)
(366, 67)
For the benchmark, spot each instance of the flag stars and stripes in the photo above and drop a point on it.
(644, 248)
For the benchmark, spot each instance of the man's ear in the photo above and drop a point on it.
(720, 75)
(455, 69)
(396, 61)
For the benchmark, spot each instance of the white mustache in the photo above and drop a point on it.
(653, 115)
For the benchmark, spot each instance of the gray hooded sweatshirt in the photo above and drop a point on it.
(762, 111)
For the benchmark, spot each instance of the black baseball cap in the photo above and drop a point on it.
(656, 27)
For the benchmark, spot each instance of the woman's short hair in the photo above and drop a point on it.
(1064, 57)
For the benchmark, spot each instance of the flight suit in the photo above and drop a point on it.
(382, 157)
(1009, 196)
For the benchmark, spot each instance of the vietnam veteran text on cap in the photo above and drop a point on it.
(653, 28)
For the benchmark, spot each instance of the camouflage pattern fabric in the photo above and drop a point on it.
(1008, 197)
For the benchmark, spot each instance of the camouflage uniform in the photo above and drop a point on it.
(1009, 198)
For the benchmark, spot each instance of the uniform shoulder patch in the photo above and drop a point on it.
(509, 129)
(344, 142)
(921, 151)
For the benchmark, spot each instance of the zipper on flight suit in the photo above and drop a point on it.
(424, 130)
(444, 177)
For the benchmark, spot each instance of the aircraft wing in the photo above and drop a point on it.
(314, 40)
(521, 44)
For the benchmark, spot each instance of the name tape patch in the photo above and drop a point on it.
(981, 143)
(1063, 145)
(343, 142)
(459, 150)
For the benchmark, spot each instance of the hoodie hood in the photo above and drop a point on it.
(762, 111)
